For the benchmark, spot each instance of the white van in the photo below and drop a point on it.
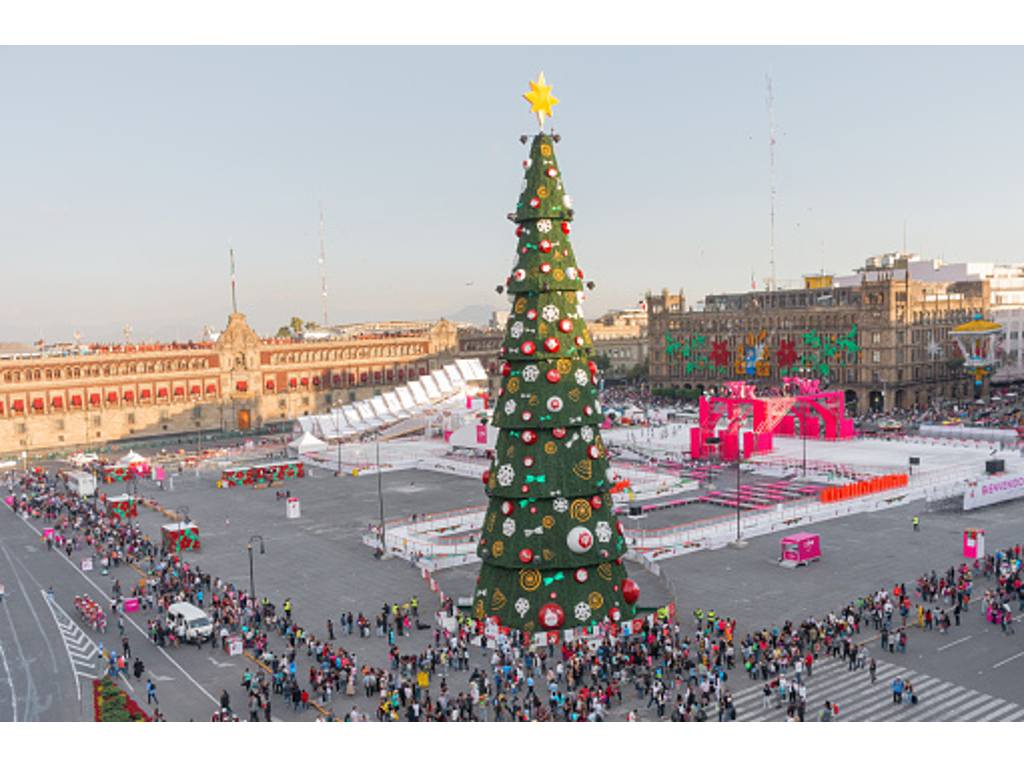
(189, 622)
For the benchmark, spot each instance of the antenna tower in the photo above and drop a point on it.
(770, 104)
(323, 270)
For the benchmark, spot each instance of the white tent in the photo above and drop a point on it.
(305, 443)
(475, 437)
(131, 457)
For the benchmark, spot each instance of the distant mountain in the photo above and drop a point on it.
(477, 314)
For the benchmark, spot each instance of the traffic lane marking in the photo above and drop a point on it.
(953, 644)
(1007, 660)
(138, 628)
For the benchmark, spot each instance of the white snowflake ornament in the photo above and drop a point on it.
(521, 606)
(506, 474)
(508, 527)
(510, 407)
(581, 377)
(582, 611)
(544, 226)
(550, 313)
(561, 505)
(531, 373)
(602, 530)
(587, 434)
(516, 330)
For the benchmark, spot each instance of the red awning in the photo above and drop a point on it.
(211, 388)
(305, 382)
(242, 386)
(161, 392)
(76, 400)
(179, 391)
(57, 401)
(270, 385)
(37, 403)
(94, 399)
(292, 382)
(17, 406)
(196, 389)
(111, 396)
(145, 394)
(129, 396)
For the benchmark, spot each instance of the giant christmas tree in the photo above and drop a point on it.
(550, 545)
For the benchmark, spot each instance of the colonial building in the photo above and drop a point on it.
(238, 382)
(620, 338)
(880, 334)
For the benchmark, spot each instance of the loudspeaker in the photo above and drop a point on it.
(995, 466)
(635, 510)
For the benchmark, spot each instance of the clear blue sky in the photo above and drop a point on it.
(127, 172)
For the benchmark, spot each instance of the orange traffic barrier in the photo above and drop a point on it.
(863, 487)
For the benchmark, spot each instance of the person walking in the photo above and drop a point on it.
(873, 670)
(897, 691)
(917, 523)
(151, 692)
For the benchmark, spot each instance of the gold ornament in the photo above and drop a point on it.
(529, 580)
(550, 447)
(512, 385)
(580, 510)
(478, 610)
(595, 600)
(520, 305)
(605, 570)
(564, 366)
(584, 469)
(574, 394)
(548, 522)
(491, 519)
(558, 274)
(498, 600)
(542, 328)
(547, 554)
(542, 192)
(492, 482)
(533, 400)
(497, 549)
(541, 100)
(511, 452)
(528, 626)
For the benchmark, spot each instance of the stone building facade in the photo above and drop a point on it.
(881, 335)
(239, 382)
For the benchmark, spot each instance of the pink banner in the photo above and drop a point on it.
(131, 605)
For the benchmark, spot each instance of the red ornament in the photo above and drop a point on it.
(527, 415)
(565, 325)
(594, 452)
(528, 347)
(552, 344)
(534, 202)
(545, 246)
(519, 231)
(551, 616)
(526, 556)
(619, 528)
(519, 275)
(596, 502)
(506, 370)
(528, 461)
(592, 366)
(486, 476)
(531, 314)
(524, 489)
(579, 340)
(553, 376)
(615, 614)
(529, 437)
(552, 172)
(558, 432)
(630, 591)
(507, 507)
(566, 228)
(587, 410)
(545, 268)
(581, 575)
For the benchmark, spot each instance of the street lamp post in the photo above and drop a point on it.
(380, 498)
(252, 579)
(738, 536)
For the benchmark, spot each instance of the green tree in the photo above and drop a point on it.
(284, 332)
(296, 324)
(550, 547)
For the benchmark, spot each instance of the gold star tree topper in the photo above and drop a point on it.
(541, 99)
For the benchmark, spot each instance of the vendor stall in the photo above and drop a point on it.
(180, 536)
(799, 549)
(122, 507)
(116, 473)
(262, 474)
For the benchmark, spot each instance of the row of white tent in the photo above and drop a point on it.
(463, 378)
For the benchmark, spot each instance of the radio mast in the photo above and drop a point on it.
(323, 269)
(770, 104)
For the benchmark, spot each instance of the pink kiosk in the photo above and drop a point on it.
(799, 549)
(974, 543)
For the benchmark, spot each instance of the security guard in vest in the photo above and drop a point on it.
(415, 607)
(917, 523)
(288, 609)
(698, 617)
(711, 617)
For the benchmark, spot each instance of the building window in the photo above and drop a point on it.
(876, 356)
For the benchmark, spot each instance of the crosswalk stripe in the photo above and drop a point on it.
(999, 712)
(928, 702)
(924, 686)
(933, 710)
(1016, 717)
(974, 714)
(972, 701)
(879, 700)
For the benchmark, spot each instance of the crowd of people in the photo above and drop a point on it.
(655, 670)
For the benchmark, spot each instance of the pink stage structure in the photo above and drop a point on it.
(745, 423)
